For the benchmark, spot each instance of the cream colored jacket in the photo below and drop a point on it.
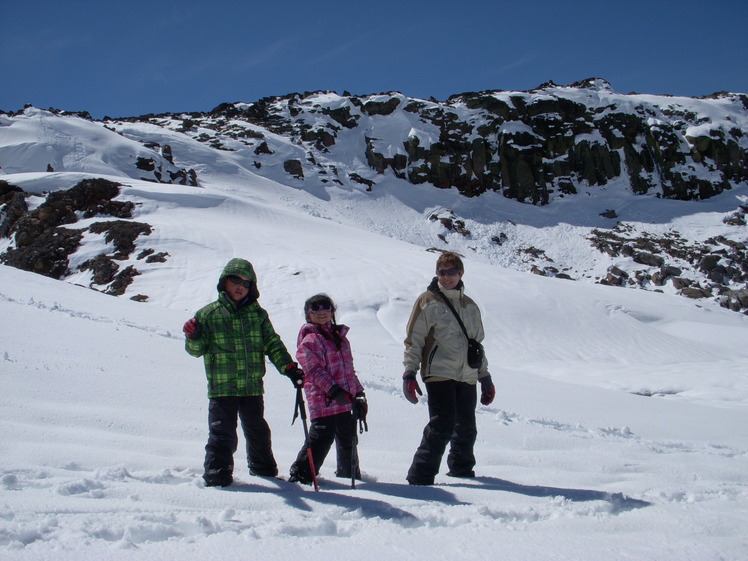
(435, 343)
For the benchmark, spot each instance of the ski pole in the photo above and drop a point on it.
(301, 410)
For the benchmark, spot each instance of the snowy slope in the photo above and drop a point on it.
(37, 143)
(617, 432)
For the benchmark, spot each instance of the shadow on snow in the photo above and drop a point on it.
(618, 501)
(301, 498)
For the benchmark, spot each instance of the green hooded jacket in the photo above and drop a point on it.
(234, 340)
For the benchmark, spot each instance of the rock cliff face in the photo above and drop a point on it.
(530, 146)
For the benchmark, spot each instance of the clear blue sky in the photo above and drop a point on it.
(128, 58)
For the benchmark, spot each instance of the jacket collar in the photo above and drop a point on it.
(327, 328)
(226, 300)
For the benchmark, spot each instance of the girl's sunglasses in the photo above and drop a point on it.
(317, 306)
(239, 280)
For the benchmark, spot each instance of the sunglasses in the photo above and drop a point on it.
(239, 280)
(317, 306)
(451, 272)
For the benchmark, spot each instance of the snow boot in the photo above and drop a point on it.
(218, 478)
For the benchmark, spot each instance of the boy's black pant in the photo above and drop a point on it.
(223, 441)
(451, 420)
(341, 429)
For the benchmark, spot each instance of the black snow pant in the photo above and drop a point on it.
(451, 421)
(341, 429)
(223, 441)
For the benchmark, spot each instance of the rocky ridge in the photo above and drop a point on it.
(530, 146)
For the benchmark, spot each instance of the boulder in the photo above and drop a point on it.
(294, 168)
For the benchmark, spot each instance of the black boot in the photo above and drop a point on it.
(300, 475)
(218, 478)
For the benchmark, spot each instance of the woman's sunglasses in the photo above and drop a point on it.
(317, 306)
(239, 280)
(451, 272)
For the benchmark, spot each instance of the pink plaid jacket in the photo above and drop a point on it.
(324, 365)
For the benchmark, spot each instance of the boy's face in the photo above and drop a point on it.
(236, 290)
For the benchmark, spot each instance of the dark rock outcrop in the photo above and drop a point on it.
(720, 263)
(43, 239)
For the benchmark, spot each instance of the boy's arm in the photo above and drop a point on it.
(194, 333)
(273, 347)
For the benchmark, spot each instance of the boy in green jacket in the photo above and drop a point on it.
(234, 335)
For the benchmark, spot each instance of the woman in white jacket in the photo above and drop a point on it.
(437, 345)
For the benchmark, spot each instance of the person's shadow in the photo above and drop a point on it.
(372, 508)
(300, 498)
(618, 501)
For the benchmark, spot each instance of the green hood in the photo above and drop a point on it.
(240, 267)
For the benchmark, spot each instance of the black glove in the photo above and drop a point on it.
(192, 329)
(339, 395)
(296, 374)
(411, 387)
(360, 406)
(487, 390)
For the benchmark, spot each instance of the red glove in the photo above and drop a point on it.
(487, 390)
(411, 387)
(192, 329)
(339, 395)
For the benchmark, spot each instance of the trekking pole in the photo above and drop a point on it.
(354, 451)
(359, 424)
(301, 410)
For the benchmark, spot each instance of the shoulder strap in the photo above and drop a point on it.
(451, 307)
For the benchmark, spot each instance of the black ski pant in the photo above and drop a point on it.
(341, 429)
(223, 441)
(451, 421)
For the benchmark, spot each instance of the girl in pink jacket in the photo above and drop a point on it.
(332, 390)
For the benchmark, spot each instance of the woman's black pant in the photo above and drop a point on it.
(451, 421)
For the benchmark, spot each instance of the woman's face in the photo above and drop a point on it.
(449, 277)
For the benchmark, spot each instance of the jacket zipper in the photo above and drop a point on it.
(431, 356)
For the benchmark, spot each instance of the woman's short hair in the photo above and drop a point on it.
(450, 259)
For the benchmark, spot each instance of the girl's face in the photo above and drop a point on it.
(321, 317)
(320, 313)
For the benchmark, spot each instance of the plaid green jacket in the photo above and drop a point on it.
(234, 342)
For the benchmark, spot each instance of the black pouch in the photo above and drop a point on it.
(474, 354)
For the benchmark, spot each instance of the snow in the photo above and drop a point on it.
(618, 430)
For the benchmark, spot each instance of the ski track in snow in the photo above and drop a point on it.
(57, 308)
